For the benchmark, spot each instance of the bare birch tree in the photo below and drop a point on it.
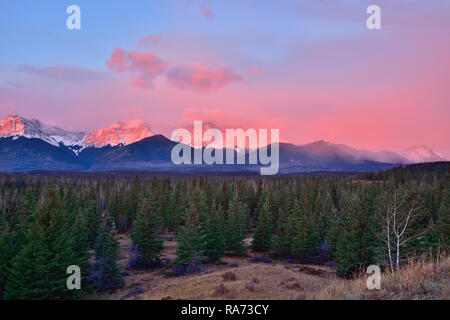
(399, 211)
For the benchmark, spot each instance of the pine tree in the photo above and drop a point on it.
(214, 230)
(197, 204)
(29, 202)
(236, 226)
(93, 221)
(223, 195)
(38, 271)
(305, 240)
(147, 243)
(191, 251)
(191, 239)
(107, 275)
(332, 235)
(8, 250)
(135, 196)
(177, 205)
(80, 238)
(350, 248)
(282, 240)
(165, 205)
(70, 203)
(262, 239)
(441, 229)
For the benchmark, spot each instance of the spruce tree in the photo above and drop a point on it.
(146, 241)
(441, 229)
(93, 221)
(80, 239)
(191, 251)
(282, 239)
(236, 226)
(214, 230)
(350, 245)
(38, 271)
(8, 249)
(332, 235)
(305, 240)
(191, 238)
(262, 239)
(107, 273)
(177, 205)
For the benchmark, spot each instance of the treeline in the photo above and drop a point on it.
(48, 224)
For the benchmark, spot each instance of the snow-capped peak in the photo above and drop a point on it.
(16, 126)
(419, 154)
(122, 132)
(12, 126)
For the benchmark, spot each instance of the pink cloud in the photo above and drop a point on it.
(148, 40)
(201, 78)
(144, 66)
(141, 82)
(117, 60)
(146, 63)
(207, 12)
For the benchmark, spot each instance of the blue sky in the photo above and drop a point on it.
(36, 29)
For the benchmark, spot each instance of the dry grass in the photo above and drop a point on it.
(203, 286)
(418, 280)
(260, 281)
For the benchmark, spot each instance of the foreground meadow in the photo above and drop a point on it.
(277, 280)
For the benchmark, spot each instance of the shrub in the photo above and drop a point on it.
(292, 284)
(178, 270)
(267, 260)
(195, 265)
(229, 276)
(256, 259)
(250, 287)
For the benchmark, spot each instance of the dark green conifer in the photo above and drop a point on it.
(262, 239)
(282, 240)
(305, 240)
(107, 274)
(38, 271)
(146, 240)
(214, 230)
(191, 251)
(236, 226)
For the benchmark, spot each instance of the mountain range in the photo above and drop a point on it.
(27, 145)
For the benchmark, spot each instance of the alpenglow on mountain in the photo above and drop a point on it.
(28, 145)
(418, 154)
(123, 132)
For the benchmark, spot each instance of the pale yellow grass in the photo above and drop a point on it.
(424, 280)
(268, 286)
